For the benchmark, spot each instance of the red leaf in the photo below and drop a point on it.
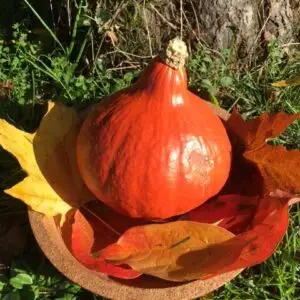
(81, 240)
(107, 224)
(232, 212)
(247, 249)
(121, 271)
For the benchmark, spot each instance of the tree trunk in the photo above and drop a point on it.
(244, 24)
(248, 23)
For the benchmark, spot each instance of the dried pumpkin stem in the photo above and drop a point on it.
(176, 54)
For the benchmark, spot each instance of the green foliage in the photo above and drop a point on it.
(34, 278)
(36, 76)
(24, 284)
(210, 70)
(13, 65)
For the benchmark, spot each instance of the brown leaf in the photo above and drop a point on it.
(5, 88)
(112, 36)
(258, 167)
(7, 84)
(155, 249)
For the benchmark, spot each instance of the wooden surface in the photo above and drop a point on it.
(49, 239)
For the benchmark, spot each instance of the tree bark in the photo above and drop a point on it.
(247, 22)
(244, 24)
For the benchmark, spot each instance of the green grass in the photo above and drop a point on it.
(66, 72)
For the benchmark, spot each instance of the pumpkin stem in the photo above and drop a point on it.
(175, 54)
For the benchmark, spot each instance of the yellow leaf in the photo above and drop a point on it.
(295, 81)
(54, 149)
(53, 185)
(39, 195)
(18, 143)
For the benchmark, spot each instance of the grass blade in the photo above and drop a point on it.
(74, 32)
(46, 26)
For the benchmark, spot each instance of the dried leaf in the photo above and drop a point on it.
(112, 36)
(254, 133)
(258, 167)
(232, 212)
(78, 235)
(291, 82)
(155, 249)
(53, 184)
(5, 89)
(7, 84)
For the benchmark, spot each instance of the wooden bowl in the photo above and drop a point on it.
(49, 239)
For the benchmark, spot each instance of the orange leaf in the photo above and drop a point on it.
(258, 167)
(247, 249)
(277, 167)
(254, 133)
(156, 249)
(78, 235)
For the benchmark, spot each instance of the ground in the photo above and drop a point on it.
(38, 64)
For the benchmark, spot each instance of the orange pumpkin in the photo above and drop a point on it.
(154, 150)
